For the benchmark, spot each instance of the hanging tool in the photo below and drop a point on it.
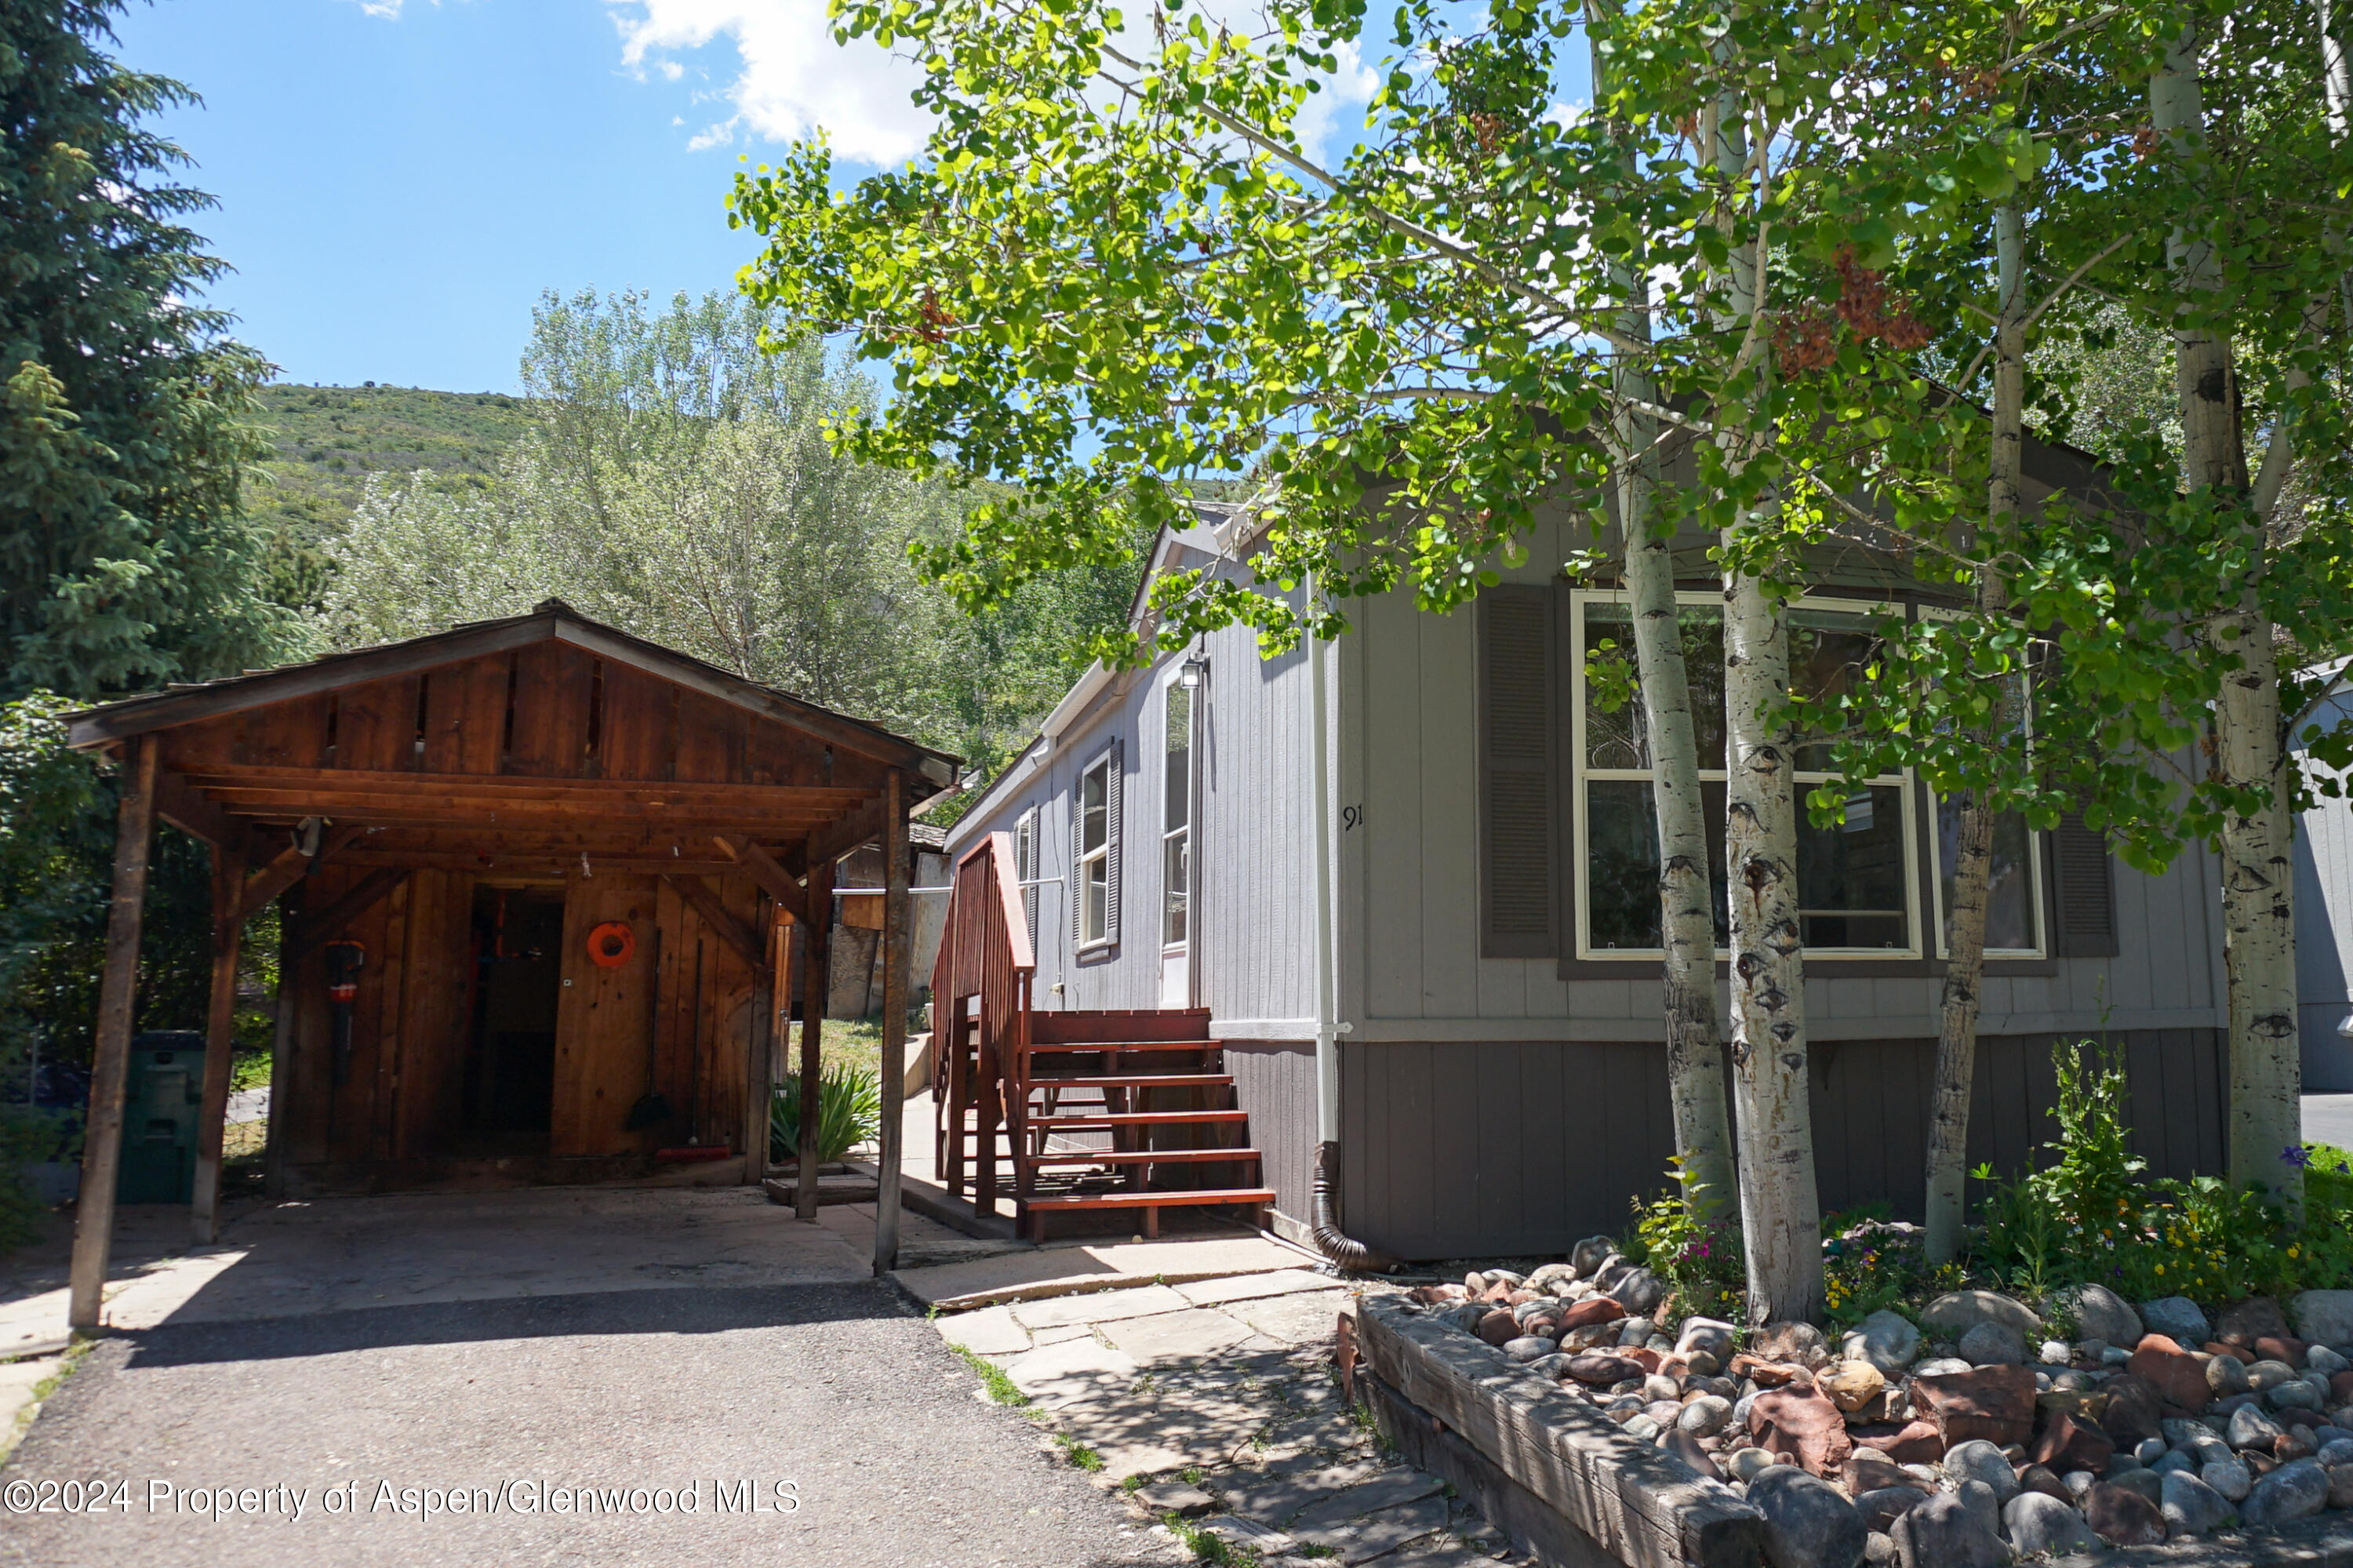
(344, 960)
(651, 1107)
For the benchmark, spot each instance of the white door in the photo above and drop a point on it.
(1177, 845)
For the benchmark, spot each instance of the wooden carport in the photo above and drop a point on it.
(393, 799)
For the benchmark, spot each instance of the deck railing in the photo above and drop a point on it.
(980, 1017)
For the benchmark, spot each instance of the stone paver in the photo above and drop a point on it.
(1177, 1336)
(1220, 1394)
(1046, 1272)
(1101, 1308)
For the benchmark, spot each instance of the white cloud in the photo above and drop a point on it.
(791, 77)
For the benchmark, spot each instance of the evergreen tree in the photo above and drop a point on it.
(124, 559)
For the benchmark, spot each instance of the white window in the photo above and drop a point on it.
(1095, 831)
(1176, 819)
(2014, 888)
(1025, 868)
(1857, 883)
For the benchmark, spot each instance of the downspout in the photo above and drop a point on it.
(1345, 1253)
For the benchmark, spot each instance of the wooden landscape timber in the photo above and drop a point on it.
(550, 864)
(1627, 1502)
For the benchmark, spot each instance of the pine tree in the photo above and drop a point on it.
(124, 558)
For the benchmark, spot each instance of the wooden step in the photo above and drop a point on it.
(1043, 1047)
(1135, 1156)
(1101, 1121)
(1138, 1081)
(1150, 1199)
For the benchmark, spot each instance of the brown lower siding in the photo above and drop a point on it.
(1488, 1148)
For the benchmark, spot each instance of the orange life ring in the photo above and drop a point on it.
(611, 945)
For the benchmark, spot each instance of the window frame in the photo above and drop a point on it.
(1908, 794)
(1082, 859)
(2037, 890)
(1177, 899)
(1025, 868)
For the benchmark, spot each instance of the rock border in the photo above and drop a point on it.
(1627, 1502)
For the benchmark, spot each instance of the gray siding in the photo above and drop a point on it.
(1467, 1149)
(2324, 931)
(1275, 1082)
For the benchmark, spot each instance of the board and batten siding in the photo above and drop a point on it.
(2323, 930)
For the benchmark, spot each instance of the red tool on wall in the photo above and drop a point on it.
(344, 961)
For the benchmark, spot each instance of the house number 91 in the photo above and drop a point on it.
(1351, 817)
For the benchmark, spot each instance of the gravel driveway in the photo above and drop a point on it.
(611, 1406)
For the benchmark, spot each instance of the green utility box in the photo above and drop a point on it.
(159, 1118)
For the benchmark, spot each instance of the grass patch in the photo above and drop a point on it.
(67, 1365)
(1132, 1485)
(1002, 1390)
(1082, 1457)
(1206, 1547)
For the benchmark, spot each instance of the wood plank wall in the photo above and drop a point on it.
(1275, 1081)
(1500, 1148)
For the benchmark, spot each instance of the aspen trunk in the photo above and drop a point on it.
(1781, 1206)
(1957, 1024)
(2258, 865)
(1686, 897)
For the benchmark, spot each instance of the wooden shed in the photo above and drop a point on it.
(535, 873)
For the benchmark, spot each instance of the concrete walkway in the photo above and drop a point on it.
(2329, 1119)
(519, 1348)
(1214, 1401)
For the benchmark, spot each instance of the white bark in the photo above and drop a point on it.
(1780, 1205)
(1957, 1031)
(1686, 898)
(2258, 864)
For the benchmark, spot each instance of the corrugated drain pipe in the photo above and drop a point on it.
(1345, 1252)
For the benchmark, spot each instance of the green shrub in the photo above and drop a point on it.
(1691, 1239)
(849, 1113)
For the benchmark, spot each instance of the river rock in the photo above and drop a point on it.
(1745, 1463)
(1995, 1403)
(2250, 1428)
(2226, 1376)
(2295, 1491)
(1956, 1312)
(1801, 1420)
(2244, 1323)
(1913, 1443)
(1993, 1345)
(1527, 1348)
(1584, 1258)
(2122, 1516)
(2039, 1522)
(2067, 1444)
(1790, 1341)
(2264, 1376)
(2044, 1480)
(1600, 1370)
(1978, 1460)
(2296, 1395)
(2340, 1485)
(1498, 1327)
(2134, 1410)
(1705, 1416)
(1552, 1279)
(1816, 1522)
(1852, 1385)
(2323, 1317)
(2177, 1373)
(1686, 1447)
(1882, 1506)
(1943, 1532)
(1713, 1335)
(2231, 1477)
(1639, 1291)
(1886, 1340)
(2177, 1318)
(2101, 1314)
(2191, 1507)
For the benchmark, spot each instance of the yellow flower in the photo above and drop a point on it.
(2160, 1268)
(2290, 1252)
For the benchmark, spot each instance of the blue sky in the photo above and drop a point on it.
(398, 184)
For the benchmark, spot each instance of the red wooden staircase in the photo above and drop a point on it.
(1086, 1111)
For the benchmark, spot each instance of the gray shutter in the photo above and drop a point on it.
(1519, 884)
(2085, 886)
(1115, 829)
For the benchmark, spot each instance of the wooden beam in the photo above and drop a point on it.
(357, 900)
(759, 1069)
(829, 845)
(212, 1114)
(134, 836)
(817, 971)
(825, 799)
(188, 809)
(773, 878)
(286, 867)
(720, 918)
(895, 932)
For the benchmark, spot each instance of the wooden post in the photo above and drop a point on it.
(228, 889)
(134, 833)
(894, 1016)
(282, 1051)
(817, 966)
(759, 1075)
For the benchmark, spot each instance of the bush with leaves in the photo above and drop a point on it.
(850, 1113)
(1690, 1237)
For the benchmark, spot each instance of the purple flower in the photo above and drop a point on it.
(2298, 1155)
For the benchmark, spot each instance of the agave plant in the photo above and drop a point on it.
(849, 1113)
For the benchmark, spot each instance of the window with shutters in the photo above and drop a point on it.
(1857, 882)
